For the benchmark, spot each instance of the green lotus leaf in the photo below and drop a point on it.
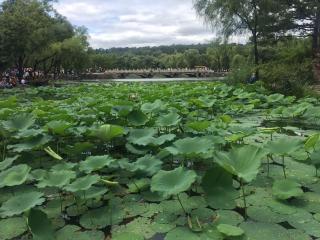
(181, 233)
(39, 225)
(218, 188)
(63, 166)
(19, 122)
(121, 110)
(58, 127)
(7, 162)
(173, 182)
(171, 119)
(127, 236)
(148, 165)
(95, 163)
(243, 162)
(138, 185)
(28, 133)
(228, 217)
(11, 228)
(186, 146)
(229, 230)
(14, 176)
(141, 137)
(152, 107)
(102, 217)
(21, 203)
(285, 189)
(31, 144)
(284, 146)
(264, 231)
(92, 193)
(136, 150)
(137, 118)
(83, 183)
(72, 232)
(57, 179)
(107, 132)
(311, 142)
(265, 214)
(162, 139)
(199, 126)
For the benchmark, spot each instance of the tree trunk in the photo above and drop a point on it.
(316, 33)
(20, 67)
(255, 39)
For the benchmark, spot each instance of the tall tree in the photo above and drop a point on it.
(239, 16)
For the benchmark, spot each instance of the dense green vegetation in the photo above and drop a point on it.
(158, 161)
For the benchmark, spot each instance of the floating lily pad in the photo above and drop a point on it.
(285, 189)
(71, 232)
(39, 225)
(127, 236)
(181, 233)
(229, 230)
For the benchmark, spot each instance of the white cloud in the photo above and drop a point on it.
(132, 23)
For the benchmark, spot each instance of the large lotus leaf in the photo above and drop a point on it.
(285, 189)
(11, 228)
(92, 193)
(28, 133)
(171, 119)
(311, 227)
(142, 137)
(39, 225)
(103, 217)
(95, 163)
(121, 110)
(31, 144)
(186, 146)
(72, 232)
(21, 203)
(137, 118)
(218, 187)
(181, 233)
(79, 148)
(265, 214)
(108, 132)
(57, 179)
(229, 230)
(264, 231)
(284, 146)
(243, 162)
(173, 182)
(83, 183)
(148, 165)
(14, 176)
(19, 122)
(58, 127)
(152, 107)
(7, 162)
(312, 141)
(162, 139)
(199, 126)
(127, 236)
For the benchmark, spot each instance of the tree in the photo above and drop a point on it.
(240, 16)
(33, 34)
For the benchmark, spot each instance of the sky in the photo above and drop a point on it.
(136, 23)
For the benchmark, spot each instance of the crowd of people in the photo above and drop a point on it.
(12, 78)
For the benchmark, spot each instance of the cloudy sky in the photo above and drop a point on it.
(134, 23)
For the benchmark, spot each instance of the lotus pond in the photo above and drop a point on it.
(183, 161)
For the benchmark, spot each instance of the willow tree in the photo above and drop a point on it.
(231, 17)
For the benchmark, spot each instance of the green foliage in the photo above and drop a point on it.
(173, 182)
